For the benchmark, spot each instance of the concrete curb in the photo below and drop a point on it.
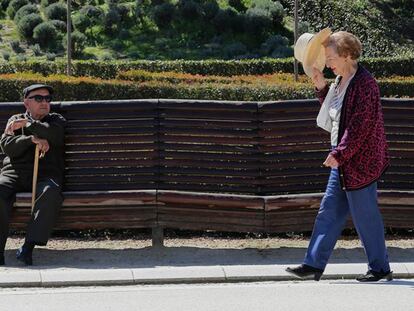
(55, 277)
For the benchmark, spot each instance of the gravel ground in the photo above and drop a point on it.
(142, 240)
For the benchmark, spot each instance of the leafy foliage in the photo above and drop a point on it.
(56, 11)
(222, 29)
(379, 24)
(45, 34)
(380, 67)
(27, 24)
(14, 6)
(242, 88)
(25, 10)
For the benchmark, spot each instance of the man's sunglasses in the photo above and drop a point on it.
(40, 98)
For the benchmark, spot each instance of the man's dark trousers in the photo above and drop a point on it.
(47, 206)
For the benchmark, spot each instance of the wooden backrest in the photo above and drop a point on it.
(266, 148)
(110, 145)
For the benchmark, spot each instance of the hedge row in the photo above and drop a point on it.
(390, 87)
(177, 77)
(380, 67)
(88, 88)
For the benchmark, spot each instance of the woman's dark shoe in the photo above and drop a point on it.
(306, 272)
(372, 276)
(24, 256)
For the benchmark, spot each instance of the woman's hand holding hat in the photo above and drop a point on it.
(310, 52)
(318, 79)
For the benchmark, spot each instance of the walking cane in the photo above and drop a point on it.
(35, 172)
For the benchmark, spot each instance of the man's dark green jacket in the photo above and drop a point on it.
(20, 149)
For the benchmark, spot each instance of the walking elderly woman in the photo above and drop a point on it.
(351, 111)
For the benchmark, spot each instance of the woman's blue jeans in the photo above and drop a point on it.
(333, 213)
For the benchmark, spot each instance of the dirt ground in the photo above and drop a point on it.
(67, 241)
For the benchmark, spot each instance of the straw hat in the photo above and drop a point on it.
(310, 52)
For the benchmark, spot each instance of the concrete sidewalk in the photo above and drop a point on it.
(88, 267)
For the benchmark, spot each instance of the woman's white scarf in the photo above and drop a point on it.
(323, 120)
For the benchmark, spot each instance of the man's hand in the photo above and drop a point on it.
(331, 162)
(15, 125)
(42, 143)
(318, 79)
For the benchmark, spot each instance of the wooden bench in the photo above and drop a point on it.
(209, 165)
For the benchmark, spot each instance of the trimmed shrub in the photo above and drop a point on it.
(6, 55)
(106, 57)
(27, 24)
(45, 34)
(173, 77)
(273, 9)
(257, 21)
(50, 57)
(56, 11)
(14, 6)
(25, 10)
(59, 25)
(92, 12)
(36, 50)
(271, 87)
(81, 22)
(15, 45)
(46, 3)
(276, 46)
(21, 58)
(79, 41)
(380, 67)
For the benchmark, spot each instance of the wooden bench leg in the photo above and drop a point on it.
(157, 237)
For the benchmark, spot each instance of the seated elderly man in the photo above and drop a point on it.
(37, 126)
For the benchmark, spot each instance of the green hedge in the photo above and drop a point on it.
(380, 67)
(87, 88)
(71, 88)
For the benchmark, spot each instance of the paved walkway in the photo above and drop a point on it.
(82, 267)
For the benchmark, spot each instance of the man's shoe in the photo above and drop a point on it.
(24, 256)
(306, 272)
(372, 276)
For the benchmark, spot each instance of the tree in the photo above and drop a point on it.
(79, 41)
(14, 6)
(25, 10)
(27, 24)
(56, 11)
(163, 14)
(45, 34)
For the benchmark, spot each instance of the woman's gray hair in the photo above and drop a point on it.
(345, 44)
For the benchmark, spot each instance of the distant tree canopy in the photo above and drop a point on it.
(200, 29)
(381, 25)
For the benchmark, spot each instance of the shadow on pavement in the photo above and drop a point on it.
(148, 257)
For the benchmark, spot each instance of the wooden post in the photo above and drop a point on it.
(69, 41)
(157, 237)
(296, 38)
